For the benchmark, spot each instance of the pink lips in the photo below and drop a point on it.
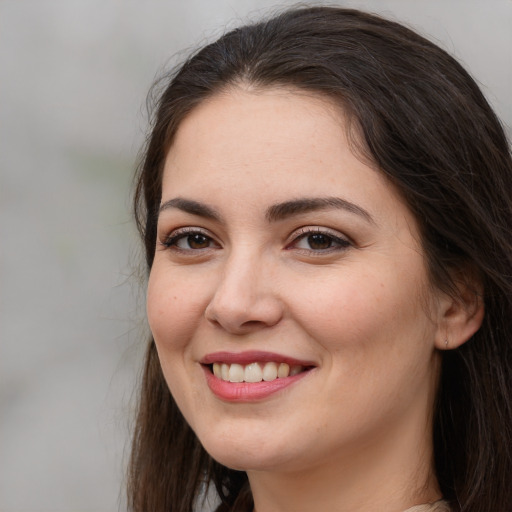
(249, 391)
(250, 357)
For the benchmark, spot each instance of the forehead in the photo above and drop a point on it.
(272, 144)
(261, 126)
(260, 112)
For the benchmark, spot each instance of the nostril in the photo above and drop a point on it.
(253, 323)
(243, 312)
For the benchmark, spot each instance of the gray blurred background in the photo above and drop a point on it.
(73, 80)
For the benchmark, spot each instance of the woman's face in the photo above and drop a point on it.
(287, 265)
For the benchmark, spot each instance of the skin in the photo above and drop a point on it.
(358, 305)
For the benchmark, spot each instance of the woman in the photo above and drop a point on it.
(325, 202)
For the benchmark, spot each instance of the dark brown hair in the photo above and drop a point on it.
(424, 122)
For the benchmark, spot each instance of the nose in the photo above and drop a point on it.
(245, 299)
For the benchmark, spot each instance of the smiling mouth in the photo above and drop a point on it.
(255, 372)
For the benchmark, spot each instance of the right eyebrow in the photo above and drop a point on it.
(192, 207)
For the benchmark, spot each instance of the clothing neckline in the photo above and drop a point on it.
(438, 506)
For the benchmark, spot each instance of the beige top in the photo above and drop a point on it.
(438, 506)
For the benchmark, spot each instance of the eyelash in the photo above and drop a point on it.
(336, 242)
(171, 242)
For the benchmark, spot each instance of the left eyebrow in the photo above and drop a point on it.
(288, 209)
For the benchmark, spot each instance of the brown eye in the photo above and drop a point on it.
(198, 241)
(319, 241)
(190, 241)
(315, 241)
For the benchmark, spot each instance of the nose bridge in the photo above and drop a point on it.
(245, 298)
(242, 274)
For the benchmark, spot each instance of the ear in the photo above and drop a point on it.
(460, 315)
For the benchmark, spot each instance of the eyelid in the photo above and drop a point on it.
(174, 235)
(343, 241)
(313, 229)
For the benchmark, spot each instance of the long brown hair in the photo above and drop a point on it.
(422, 119)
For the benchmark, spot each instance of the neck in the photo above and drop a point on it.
(390, 473)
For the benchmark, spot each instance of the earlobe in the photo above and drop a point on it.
(460, 317)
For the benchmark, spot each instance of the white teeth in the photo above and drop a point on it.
(236, 373)
(269, 372)
(255, 372)
(283, 371)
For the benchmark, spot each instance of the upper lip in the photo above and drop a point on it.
(252, 356)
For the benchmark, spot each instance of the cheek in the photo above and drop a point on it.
(172, 309)
(342, 309)
(377, 343)
(366, 313)
(174, 313)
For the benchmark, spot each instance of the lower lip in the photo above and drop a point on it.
(248, 391)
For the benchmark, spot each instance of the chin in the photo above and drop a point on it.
(247, 461)
(244, 453)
